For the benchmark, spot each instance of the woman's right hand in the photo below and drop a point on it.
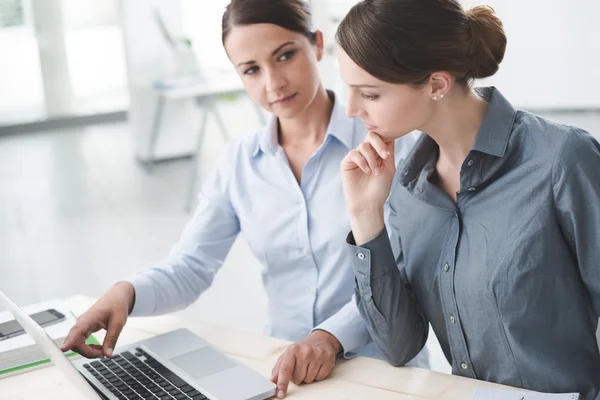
(367, 174)
(110, 312)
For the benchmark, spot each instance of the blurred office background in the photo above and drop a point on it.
(95, 158)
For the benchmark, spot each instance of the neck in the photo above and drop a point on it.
(310, 126)
(455, 125)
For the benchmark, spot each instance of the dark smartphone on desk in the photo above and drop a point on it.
(12, 328)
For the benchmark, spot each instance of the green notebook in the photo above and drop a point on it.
(40, 363)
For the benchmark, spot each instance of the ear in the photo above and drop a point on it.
(319, 45)
(440, 84)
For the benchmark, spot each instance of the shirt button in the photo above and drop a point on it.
(360, 256)
(470, 163)
(464, 366)
(471, 189)
(446, 267)
(452, 319)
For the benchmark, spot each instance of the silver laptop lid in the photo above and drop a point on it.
(49, 347)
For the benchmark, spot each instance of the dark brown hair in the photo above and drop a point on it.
(404, 41)
(293, 15)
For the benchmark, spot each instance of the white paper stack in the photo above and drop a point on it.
(20, 353)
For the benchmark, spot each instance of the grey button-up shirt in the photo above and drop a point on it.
(509, 275)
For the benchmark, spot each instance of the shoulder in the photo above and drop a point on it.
(577, 153)
(569, 150)
(553, 134)
(549, 142)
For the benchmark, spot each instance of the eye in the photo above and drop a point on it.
(251, 71)
(369, 96)
(287, 55)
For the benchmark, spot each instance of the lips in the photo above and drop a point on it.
(369, 126)
(284, 99)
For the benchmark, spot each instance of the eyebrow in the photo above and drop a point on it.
(363, 86)
(273, 53)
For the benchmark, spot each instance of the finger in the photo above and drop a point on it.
(369, 153)
(285, 373)
(115, 326)
(69, 341)
(275, 371)
(76, 335)
(378, 144)
(354, 159)
(89, 350)
(390, 149)
(325, 370)
(313, 370)
(303, 358)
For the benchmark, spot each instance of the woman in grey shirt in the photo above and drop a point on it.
(495, 223)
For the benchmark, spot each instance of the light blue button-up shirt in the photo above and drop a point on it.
(295, 230)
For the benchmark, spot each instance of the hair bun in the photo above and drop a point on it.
(488, 41)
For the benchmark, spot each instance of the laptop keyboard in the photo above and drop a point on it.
(136, 375)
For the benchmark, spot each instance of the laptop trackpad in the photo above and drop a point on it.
(202, 362)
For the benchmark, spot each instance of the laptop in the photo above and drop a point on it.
(176, 365)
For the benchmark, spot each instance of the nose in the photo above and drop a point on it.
(275, 81)
(352, 106)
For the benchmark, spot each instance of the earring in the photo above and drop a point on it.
(435, 97)
(441, 96)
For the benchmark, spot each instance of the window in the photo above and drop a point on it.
(11, 13)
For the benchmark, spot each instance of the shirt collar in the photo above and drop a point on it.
(340, 127)
(494, 132)
(492, 136)
(267, 140)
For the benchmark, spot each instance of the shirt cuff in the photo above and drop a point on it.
(371, 260)
(348, 328)
(145, 296)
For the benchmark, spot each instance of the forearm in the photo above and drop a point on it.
(122, 293)
(366, 224)
(348, 327)
(169, 286)
(391, 315)
(125, 291)
(327, 337)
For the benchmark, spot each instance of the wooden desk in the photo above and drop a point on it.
(360, 378)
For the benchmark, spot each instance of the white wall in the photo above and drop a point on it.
(553, 54)
(149, 58)
(79, 14)
(20, 78)
(201, 21)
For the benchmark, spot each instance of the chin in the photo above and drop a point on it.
(286, 114)
(289, 113)
(388, 136)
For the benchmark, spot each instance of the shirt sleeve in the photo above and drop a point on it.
(384, 297)
(576, 187)
(190, 267)
(348, 328)
(347, 324)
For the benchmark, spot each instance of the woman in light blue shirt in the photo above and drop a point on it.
(280, 188)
